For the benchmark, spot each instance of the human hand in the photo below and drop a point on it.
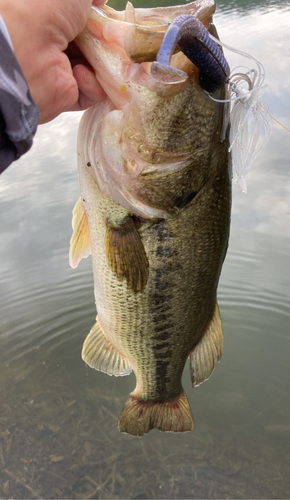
(42, 34)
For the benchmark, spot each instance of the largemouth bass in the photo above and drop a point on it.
(154, 213)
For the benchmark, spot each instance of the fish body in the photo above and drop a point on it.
(154, 213)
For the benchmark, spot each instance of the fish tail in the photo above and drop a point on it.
(138, 416)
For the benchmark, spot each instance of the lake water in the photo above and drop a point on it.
(58, 418)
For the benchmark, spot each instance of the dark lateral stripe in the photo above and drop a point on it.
(163, 355)
(159, 298)
(162, 308)
(161, 376)
(163, 337)
(162, 328)
(160, 317)
(164, 345)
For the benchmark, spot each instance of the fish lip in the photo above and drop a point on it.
(161, 16)
(142, 38)
(202, 9)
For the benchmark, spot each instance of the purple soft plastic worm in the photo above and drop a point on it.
(192, 38)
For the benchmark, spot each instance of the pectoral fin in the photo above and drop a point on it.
(208, 352)
(99, 353)
(80, 241)
(126, 254)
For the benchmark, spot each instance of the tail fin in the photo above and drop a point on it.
(138, 417)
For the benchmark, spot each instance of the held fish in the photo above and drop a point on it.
(154, 211)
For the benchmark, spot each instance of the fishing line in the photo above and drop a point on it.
(251, 124)
(278, 122)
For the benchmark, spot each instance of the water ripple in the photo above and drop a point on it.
(58, 315)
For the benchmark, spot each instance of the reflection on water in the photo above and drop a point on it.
(58, 418)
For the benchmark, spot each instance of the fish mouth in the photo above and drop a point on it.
(145, 28)
(139, 32)
(127, 140)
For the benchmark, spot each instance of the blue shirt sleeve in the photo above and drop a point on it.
(19, 115)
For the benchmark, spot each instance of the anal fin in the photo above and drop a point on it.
(99, 353)
(80, 246)
(126, 254)
(204, 357)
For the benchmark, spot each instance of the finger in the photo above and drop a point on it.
(83, 103)
(87, 82)
(90, 91)
(56, 90)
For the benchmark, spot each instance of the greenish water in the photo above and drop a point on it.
(58, 418)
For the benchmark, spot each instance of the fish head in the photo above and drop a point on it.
(150, 145)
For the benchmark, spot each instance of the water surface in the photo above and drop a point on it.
(58, 418)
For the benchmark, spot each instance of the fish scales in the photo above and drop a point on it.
(159, 321)
(158, 235)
